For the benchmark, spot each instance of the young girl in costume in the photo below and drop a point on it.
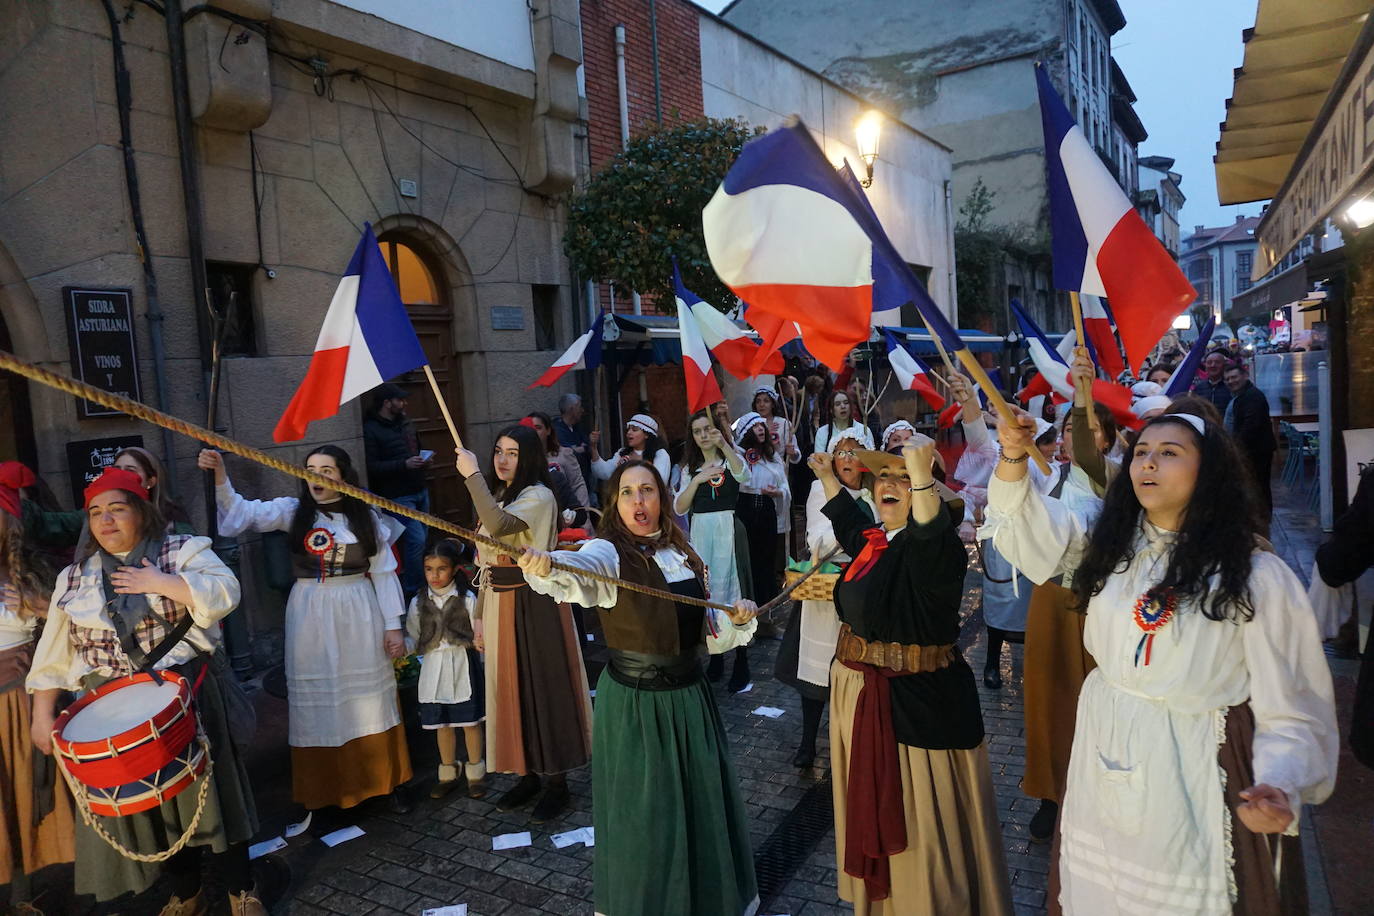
(672, 835)
(1209, 720)
(452, 689)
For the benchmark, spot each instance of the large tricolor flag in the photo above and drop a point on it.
(890, 288)
(366, 339)
(735, 350)
(1055, 370)
(585, 353)
(910, 371)
(1101, 246)
(1186, 373)
(1099, 332)
(784, 233)
(702, 388)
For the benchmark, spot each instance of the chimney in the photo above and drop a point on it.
(1197, 229)
(1240, 217)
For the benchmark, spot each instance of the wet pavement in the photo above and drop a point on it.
(440, 853)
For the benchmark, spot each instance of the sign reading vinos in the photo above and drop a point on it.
(100, 333)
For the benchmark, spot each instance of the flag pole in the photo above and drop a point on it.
(1085, 388)
(939, 347)
(443, 406)
(975, 369)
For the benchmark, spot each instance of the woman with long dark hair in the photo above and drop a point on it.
(1209, 719)
(842, 424)
(538, 710)
(138, 598)
(643, 442)
(712, 471)
(343, 625)
(572, 493)
(672, 835)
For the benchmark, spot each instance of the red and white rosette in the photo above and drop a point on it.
(319, 542)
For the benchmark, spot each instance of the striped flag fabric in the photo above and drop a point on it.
(1100, 244)
(366, 339)
(890, 288)
(1183, 376)
(1055, 370)
(585, 353)
(911, 373)
(733, 349)
(1099, 332)
(702, 388)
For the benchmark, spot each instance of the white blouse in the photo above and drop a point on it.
(856, 430)
(603, 468)
(237, 515)
(770, 472)
(600, 556)
(13, 630)
(214, 593)
(1144, 784)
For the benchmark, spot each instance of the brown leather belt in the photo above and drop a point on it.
(908, 659)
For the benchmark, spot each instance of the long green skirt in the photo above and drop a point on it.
(672, 836)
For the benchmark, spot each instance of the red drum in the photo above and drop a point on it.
(131, 744)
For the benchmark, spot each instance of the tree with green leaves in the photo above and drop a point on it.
(643, 208)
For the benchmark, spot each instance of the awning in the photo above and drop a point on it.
(1293, 56)
(977, 341)
(1288, 287)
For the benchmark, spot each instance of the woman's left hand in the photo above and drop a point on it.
(745, 611)
(141, 580)
(919, 456)
(1265, 809)
(394, 644)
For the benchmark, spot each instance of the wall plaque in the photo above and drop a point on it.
(88, 457)
(100, 332)
(507, 318)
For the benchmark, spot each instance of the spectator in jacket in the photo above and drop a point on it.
(570, 435)
(1213, 386)
(1247, 418)
(396, 470)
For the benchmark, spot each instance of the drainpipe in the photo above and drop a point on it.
(622, 92)
(949, 226)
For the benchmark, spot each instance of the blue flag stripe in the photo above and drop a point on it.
(381, 314)
(1068, 242)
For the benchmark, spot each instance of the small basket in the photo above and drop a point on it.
(820, 587)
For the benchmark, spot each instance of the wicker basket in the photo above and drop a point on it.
(820, 587)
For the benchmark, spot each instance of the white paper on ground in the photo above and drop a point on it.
(564, 840)
(771, 712)
(592, 692)
(510, 840)
(258, 850)
(590, 835)
(591, 637)
(746, 688)
(342, 836)
(457, 909)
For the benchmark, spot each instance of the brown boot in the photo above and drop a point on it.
(450, 780)
(246, 904)
(192, 907)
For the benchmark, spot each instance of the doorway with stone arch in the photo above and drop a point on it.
(432, 288)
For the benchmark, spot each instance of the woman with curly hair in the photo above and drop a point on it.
(35, 810)
(1209, 719)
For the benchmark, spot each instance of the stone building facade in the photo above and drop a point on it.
(453, 134)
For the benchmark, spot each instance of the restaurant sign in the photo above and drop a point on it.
(1330, 166)
(100, 332)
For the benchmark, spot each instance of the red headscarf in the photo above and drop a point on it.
(13, 477)
(113, 478)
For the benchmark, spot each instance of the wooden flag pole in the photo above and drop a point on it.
(975, 369)
(1085, 388)
(443, 406)
(939, 347)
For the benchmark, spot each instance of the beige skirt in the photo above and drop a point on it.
(352, 773)
(25, 847)
(953, 862)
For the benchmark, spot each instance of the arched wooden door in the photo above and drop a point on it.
(431, 313)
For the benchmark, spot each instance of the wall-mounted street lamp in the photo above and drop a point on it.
(869, 132)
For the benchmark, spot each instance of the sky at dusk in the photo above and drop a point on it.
(1179, 56)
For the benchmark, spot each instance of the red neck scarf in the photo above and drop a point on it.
(868, 557)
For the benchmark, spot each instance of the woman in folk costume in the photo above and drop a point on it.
(538, 711)
(35, 807)
(1209, 719)
(137, 599)
(916, 826)
(712, 471)
(768, 406)
(642, 442)
(808, 645)
(843, 424)
(672, 834)
(343, 627)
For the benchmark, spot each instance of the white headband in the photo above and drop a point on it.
(745, 423)
(899, 424)
(1192, 420)
(766, 390)
(644, 422)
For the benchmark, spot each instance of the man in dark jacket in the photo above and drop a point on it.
(396, 470)
(1214, 387)
(1247, 418)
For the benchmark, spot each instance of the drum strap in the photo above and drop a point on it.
(128, 611)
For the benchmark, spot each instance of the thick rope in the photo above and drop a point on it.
(148, 414)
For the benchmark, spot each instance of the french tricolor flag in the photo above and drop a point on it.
(735, 350)
(702, 388)
(1186, 373)
(1101, 246)
(910, 371)
(785, 233)
(367, 338)
(1100, 334)
(1055, 370)
(585, 353)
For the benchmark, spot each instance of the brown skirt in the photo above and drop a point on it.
(25, 846)
(1259, 892)
(539, 717)
(953, 862)
(351, 773)
(1056, 664)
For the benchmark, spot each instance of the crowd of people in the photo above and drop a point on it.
(1178, 707)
